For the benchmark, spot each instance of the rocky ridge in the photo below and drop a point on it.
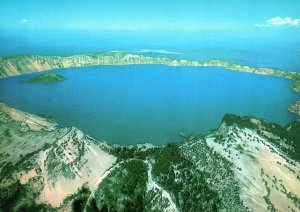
(246, 164)
(56, 162)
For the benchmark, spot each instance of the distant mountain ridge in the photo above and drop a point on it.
(23, 64)
(245, 164)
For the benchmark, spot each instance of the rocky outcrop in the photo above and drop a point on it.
(58, 161)
(23, 64)
(246, 165)
(295, 107)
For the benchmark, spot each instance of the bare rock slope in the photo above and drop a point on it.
(33, 151)
(245, 165)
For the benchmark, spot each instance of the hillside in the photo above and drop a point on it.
(23, 64)
(246, 164)
(41, 164)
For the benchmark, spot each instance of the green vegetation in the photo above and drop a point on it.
(7, 133)
(123, 189)
(78, 199)
(18, 197)
(289, 134)
(287, 139)
(295, 107)
(175, 174)
(295, 199)
(267, 197)
(125, 153)
(46, 78)
(216, 170)
(175, 167)
(56, 166)
(189, 175)
(243, 122)
(48, 118)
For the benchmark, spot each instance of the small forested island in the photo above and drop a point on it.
(47, 78)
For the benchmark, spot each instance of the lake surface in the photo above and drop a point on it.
(150, 103)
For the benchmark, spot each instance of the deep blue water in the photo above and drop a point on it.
(150, 103)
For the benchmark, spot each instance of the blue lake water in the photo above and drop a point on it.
(150, 103)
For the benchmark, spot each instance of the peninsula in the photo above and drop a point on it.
(25, 64)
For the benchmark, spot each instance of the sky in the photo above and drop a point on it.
(150, 14)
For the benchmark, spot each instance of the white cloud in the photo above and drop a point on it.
(283, 21)
(279, 21)
(22, 20)
(260, 25)
(160, 51)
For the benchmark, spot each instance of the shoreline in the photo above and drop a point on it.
(26, 64)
